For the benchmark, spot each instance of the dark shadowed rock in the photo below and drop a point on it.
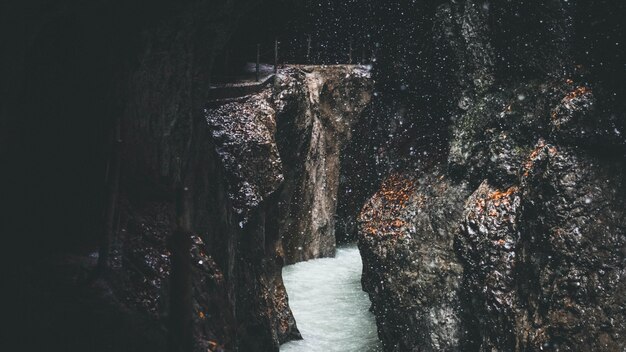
(251, 180)
(410, 271)
(487, 244)
(540, 258)
(574, 234)
(535, 205)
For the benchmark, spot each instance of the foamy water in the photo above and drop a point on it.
(330, 308)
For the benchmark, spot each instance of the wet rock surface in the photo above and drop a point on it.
(532, 255)
(244, 135)
(536, 256)
(406, 231)
(488, 247)
(574, 238)
(317, 108)
(537, 252)
(496, 129)
(528, 237)
(241, 201)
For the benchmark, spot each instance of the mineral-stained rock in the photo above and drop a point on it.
(544, 260)
(488, 244)
(574, 233)
(410, 271)
(535, 200)
(537, 265)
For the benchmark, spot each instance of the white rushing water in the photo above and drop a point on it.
(331, 310)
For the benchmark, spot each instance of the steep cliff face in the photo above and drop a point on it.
(242, 222)
(536, 255)
(253, 146)
(317, 109)
(519, 226)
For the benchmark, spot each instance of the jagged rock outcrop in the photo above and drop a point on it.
(317, 108)
(243, 218)
(573, 229)
(488, 248)
(540, 242)
(244, 135)
(535, 217)
(538, 255)
(406, 231)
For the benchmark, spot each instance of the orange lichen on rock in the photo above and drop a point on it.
(552, 151)
(490, 202)
(553, 115)
(396, 189)
(397, 223)
(580, 90)
(371, 230)
(497, 195)
(529, 163)
(535, 152)
(386, 227)
(382, 216)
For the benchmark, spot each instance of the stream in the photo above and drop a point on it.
(331, 310)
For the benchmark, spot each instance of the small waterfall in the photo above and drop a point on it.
(331, 310)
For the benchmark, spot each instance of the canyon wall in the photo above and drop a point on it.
(318, 109)
(512, 236)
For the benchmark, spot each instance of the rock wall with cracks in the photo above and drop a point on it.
(317, 109)
(514, 240)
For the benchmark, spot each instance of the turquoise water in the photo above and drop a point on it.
(331, 310)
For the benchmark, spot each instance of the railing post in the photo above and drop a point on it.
(276, 55)
(350, 53)
(363, 54)
(319, 54)
(258, 57)
(308, 49)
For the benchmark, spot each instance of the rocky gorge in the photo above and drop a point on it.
(474, 150)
